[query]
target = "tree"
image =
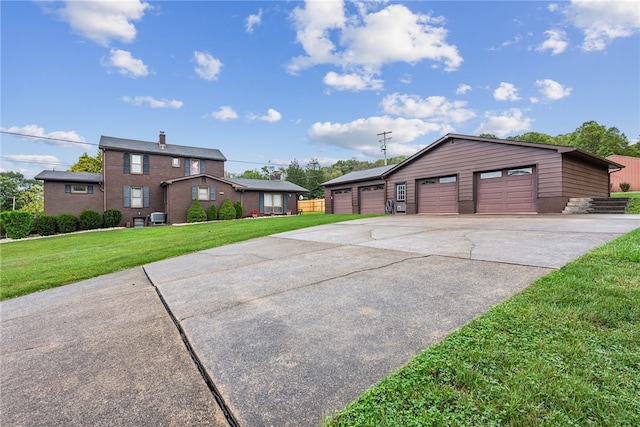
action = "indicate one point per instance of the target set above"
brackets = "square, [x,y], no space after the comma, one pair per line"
[535,137]
[296,174]
[32,199]
[252,174]
[597,139]
[88,164]
[13,187]
[315,177]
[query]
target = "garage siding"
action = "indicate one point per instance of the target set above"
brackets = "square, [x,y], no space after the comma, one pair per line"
[583,180]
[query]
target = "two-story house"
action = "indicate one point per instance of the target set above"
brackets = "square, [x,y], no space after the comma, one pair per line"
[140,178]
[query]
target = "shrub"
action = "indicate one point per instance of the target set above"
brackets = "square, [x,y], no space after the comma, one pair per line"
[45,225]
[196,212]
[67,223]
[213,213]
[227,211]
[17,224]
[624,186]
[238,206]
[89,220]
[111,218]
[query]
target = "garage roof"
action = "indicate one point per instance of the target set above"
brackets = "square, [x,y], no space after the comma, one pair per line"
[373,173]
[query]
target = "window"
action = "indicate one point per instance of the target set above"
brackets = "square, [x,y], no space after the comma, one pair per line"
[520,171]
[175,162]
[429,181]
[136,197]
[273,203]
[203,193]
[79,189]
[136,163]
[194,167]
[488,175]
[401,192]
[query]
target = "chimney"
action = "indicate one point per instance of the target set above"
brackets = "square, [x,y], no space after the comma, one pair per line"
[162,142]
[276,176]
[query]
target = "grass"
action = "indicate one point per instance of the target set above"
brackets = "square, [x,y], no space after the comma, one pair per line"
[566,351]
[33,265]
[634,206]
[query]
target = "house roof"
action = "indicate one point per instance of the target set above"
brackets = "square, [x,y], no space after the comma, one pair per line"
[51,175]
[562,149]
[248,184]
[121,144]
[362,175]
[268,185]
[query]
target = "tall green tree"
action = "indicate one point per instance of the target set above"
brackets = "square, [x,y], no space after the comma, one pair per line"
[535,137]
[88,164]
[315,177]
[597,139]
[295,174]
[13,186]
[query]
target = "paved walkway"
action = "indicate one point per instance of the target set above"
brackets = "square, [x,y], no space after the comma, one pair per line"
[289,328]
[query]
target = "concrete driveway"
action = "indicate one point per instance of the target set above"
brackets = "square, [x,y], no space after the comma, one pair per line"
[288,328]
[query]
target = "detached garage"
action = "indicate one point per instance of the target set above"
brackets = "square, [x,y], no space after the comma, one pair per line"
[468,174]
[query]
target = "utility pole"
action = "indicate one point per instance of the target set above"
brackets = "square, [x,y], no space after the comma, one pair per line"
[383,145]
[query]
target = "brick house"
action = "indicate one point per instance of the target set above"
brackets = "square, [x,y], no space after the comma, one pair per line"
[140,178]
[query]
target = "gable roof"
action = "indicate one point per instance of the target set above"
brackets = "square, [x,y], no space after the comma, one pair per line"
[268,185]
[121,144]
[561,149]
[362,175]
[51,175]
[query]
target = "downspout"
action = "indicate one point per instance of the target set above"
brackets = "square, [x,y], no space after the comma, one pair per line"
[103,187]
[609,178]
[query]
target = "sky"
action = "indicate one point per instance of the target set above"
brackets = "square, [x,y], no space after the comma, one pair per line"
[267,82]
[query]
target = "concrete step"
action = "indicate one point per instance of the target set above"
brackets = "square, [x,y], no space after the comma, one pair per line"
[596,205]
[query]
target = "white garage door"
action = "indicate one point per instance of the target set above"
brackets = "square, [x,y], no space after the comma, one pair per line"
[342,201]
[438,195]
[506,191]
[372,199]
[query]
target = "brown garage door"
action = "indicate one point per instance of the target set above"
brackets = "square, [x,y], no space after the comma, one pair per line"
[372,199]
[438,195]
[506,191]
[342,201]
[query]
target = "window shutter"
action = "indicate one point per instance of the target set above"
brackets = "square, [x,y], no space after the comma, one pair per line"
[67,188]
[145,197]
[285,202]
[212,193]
[194,192]
[89,189]
[203,166]
[187,165]
[127,196]
[145,164]
[126,161]
[261,203]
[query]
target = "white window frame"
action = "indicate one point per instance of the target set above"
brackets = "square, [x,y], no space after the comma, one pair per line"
[137,201]
[491,175]
[79,189]
[520,171]
[401,192]
[273,203]
[136,164]
[203,193]
[175,162]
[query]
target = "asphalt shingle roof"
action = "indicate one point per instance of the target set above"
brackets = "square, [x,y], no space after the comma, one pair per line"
[268,185]
[51,175]
[362,175]
[121,144]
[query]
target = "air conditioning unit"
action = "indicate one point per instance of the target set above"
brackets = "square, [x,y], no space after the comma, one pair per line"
[401,208]
[157,218]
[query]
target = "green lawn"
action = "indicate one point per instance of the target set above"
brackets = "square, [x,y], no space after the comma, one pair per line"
[32,265]
[564,352]
[634,206]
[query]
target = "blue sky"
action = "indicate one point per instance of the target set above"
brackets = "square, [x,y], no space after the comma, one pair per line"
[267,82]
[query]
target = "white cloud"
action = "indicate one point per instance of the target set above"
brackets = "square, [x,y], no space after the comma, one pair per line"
[353,82]
[433,107]
[604,21]
[59,138]
[553,90]
[103,21]
[552,7]
[462,89]
[506,92]
[127,65]
[556,42]
[361,134]
[42,160]
[252,21]
[504,124]
[153,103]
[272,116]
[208,67]
[225,113]
[363,43]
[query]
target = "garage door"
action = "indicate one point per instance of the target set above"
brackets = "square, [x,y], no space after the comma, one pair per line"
[342,201]
[506,191]
[372,199]
[438,195]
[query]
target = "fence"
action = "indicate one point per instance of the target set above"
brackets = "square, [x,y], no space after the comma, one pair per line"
[315,205]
